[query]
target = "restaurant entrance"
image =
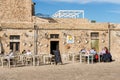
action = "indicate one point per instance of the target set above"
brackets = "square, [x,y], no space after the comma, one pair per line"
[53,46]
[15,46]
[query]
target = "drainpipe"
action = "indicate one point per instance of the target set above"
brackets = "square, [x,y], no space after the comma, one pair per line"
[35,39]
[0,42]
[109,40]
[35,42]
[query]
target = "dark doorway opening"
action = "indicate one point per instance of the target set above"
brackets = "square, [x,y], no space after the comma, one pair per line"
[15,46]
[53,46]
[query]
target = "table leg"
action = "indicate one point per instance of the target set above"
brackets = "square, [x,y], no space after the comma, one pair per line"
[73,58]
[92,58]
[8,62]
[80,58]
[2,61]
[99,57]
[88,59]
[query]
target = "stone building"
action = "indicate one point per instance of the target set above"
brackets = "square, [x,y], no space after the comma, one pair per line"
[20,29]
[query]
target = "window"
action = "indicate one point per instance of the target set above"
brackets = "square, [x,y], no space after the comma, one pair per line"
[94,35]
[14,42]
[14,37]
[54,35]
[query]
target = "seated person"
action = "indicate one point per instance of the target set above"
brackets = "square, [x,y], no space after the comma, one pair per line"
[101,54]
[107,56]
[24,52]
[95,55]
[93,51]
[28,52]
[83,50]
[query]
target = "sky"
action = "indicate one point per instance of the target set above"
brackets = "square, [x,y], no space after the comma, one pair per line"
[99,10]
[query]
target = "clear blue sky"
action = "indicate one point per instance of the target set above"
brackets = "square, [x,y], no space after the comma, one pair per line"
[99,10]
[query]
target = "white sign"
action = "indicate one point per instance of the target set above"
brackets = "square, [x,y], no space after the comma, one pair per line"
[70,39]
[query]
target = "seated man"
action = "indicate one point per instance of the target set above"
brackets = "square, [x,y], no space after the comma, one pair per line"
[93,51]
[95,55]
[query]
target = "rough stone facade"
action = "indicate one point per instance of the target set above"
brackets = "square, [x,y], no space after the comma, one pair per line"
[38,34]
[115,41]
[15,11]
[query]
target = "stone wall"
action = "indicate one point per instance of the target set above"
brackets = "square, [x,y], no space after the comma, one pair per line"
[115,42]
[26,39]
[16,19]
[15,11]
[79,31]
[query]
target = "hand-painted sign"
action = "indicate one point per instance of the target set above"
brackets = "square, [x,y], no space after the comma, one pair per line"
[70,39]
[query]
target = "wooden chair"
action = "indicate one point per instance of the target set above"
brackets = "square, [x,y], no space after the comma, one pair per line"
[52,60]
[20,60]
[4,61]
[28,60]
[82,57]
[9,61]
[65,57]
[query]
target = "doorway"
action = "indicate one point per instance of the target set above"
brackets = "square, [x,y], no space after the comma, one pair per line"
[95,44]
[53,46]
[95,40]
[15,46]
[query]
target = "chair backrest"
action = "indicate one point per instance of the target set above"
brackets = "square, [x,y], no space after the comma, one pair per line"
[82,52]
